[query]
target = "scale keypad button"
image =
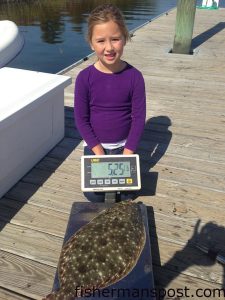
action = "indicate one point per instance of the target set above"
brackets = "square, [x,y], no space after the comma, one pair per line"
[92,182]
[122,181]
[114,181]
[129,180]
[100,181]
[107,181]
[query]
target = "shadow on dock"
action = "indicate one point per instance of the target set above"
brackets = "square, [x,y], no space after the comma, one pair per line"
[200,250]
[21,192]
[206,35]
[153,146]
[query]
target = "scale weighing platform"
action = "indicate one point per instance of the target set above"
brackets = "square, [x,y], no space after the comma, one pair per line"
[110,173]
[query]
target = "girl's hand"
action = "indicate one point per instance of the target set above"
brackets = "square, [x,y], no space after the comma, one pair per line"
[127,151]
[98,150]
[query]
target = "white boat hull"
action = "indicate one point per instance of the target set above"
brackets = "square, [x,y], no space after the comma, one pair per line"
[11,41]
[31,120]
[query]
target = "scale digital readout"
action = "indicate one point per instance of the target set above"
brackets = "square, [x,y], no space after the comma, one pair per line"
[110,173]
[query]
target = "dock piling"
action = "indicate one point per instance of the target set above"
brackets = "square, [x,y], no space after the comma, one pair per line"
[184,26]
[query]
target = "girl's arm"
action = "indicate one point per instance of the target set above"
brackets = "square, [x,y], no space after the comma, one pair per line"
[82,113]
[138,114]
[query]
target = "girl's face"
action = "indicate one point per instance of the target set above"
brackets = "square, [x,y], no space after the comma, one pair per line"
[108,43]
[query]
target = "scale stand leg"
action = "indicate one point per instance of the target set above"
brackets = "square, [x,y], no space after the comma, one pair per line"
[110,197]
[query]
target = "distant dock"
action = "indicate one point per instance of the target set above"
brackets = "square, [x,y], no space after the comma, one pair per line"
[183,170]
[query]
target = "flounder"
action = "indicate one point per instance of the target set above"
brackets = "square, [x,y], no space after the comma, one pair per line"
[101,252]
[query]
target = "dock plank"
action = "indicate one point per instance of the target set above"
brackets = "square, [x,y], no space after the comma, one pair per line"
[24,277]
[9,295]
[194,288]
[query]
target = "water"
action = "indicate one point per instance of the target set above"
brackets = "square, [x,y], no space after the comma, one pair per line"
[55,31]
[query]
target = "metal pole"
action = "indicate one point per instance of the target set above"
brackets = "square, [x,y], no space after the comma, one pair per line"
[110,197]
[184,26]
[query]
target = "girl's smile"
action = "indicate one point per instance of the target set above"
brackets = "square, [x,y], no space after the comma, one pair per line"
[108,43]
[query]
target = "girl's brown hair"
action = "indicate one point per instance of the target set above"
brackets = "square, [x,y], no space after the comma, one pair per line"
[105,13]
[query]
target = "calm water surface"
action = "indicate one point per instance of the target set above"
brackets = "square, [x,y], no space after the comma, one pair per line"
[54,31]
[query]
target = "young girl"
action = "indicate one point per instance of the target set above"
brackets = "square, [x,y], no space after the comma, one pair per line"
[110,103]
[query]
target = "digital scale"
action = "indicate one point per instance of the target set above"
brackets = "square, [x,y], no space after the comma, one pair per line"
[107,173]
[110,174]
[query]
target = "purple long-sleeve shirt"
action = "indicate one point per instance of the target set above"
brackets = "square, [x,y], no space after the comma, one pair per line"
[110,107]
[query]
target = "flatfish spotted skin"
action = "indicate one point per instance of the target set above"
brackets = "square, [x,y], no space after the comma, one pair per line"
[102,252]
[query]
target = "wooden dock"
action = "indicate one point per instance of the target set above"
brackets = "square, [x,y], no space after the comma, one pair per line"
[183,170]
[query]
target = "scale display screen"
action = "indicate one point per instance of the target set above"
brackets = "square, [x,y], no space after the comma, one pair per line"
[110,172]
[110,169]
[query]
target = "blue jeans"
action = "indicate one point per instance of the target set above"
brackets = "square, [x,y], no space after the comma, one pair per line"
[100,196]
